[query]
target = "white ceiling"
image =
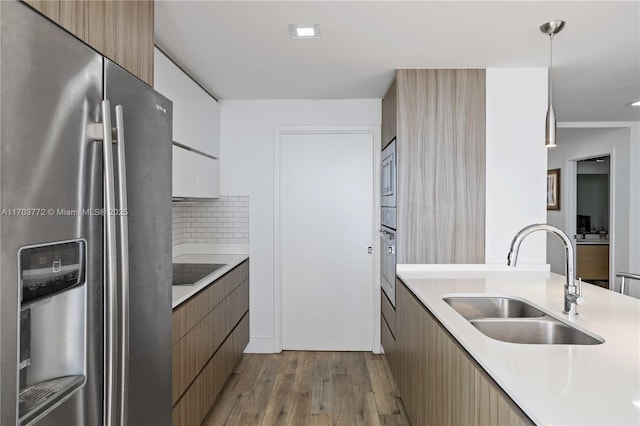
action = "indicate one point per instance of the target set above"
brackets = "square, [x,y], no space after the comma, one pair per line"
[243,50]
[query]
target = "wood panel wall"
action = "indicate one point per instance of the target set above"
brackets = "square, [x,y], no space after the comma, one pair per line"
[441,166]
[438,382]
[120,30]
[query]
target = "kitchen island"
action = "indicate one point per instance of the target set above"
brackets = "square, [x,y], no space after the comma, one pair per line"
[552,384]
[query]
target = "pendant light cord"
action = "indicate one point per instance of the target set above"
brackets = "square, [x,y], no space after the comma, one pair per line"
[551,69]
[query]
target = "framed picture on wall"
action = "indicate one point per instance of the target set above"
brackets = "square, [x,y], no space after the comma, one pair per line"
[553,189]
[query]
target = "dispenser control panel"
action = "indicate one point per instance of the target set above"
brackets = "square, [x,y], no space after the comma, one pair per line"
[51,268]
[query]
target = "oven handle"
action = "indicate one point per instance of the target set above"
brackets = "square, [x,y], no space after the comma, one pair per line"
[391,235]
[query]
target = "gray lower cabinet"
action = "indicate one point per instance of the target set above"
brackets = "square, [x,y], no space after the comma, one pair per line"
[440,384]
[210,332]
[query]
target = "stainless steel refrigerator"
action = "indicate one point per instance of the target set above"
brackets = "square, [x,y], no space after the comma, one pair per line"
[85,200]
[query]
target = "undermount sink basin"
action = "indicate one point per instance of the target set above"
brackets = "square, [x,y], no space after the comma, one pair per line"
[534,331]
[517,321]
[492,307]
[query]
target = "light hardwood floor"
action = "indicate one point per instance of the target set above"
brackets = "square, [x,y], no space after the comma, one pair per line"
[309,388]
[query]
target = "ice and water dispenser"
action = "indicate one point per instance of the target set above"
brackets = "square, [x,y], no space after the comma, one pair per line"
[52,334]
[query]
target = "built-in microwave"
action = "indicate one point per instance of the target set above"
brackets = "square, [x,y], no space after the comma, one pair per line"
[388,188]
[388,175]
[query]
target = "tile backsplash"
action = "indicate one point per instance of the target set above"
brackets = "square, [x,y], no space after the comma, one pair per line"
[221,221]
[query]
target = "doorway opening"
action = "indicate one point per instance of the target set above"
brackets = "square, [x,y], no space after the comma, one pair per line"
[593,220]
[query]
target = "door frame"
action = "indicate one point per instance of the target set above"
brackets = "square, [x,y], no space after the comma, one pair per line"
[634,174]
[279,132]
[571,212]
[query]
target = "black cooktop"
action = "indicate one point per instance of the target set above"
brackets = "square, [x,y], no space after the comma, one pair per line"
[190,273]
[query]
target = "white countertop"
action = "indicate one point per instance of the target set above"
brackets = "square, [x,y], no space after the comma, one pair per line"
[592,242]
[552,384]
[180,293]
[592,239]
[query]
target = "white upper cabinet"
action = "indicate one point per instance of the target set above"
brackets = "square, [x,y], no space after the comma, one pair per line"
[185,173]
[196,115]
[196,126]
[195,175]
[208,171]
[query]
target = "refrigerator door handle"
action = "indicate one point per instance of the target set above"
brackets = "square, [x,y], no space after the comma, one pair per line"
[124,263]
[111,317]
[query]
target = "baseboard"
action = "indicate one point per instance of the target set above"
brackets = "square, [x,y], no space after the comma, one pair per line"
[260,345]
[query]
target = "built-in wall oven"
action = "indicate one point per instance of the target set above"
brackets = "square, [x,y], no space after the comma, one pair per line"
[388,262]
[388,189]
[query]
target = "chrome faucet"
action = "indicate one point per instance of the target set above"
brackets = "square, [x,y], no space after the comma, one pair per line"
[572,294]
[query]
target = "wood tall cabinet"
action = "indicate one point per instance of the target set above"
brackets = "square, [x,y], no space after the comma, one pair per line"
[389,115]
[439,120]
[440,384]
[210,332]
[120,30]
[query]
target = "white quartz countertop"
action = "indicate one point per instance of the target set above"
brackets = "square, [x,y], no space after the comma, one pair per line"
[180,293]
[592,242]
[552,384]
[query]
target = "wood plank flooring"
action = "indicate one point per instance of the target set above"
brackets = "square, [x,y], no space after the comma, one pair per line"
[309,388]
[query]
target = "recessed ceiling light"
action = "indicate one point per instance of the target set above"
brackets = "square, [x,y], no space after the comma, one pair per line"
[305,31]
[636,103]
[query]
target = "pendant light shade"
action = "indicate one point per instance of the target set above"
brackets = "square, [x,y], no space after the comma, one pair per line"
[551,28]
[550,127]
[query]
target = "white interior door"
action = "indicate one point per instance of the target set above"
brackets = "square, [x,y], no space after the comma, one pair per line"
[326,225]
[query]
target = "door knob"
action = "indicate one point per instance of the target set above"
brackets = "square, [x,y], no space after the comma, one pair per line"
[369,249]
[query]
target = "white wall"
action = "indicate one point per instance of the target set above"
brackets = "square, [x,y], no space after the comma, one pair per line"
[516,171]
[634,201]
[580,143]
[516,161]
[247,147]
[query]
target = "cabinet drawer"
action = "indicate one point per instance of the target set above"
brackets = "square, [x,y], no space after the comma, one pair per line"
[388,312]
[592,261]
[388,344]
[187,315]
[196,402]
[191,353]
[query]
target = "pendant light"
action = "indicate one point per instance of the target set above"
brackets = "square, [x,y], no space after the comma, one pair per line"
[551,28]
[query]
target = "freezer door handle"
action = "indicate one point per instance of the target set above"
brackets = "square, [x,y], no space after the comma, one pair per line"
[111,290]
[124,263]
